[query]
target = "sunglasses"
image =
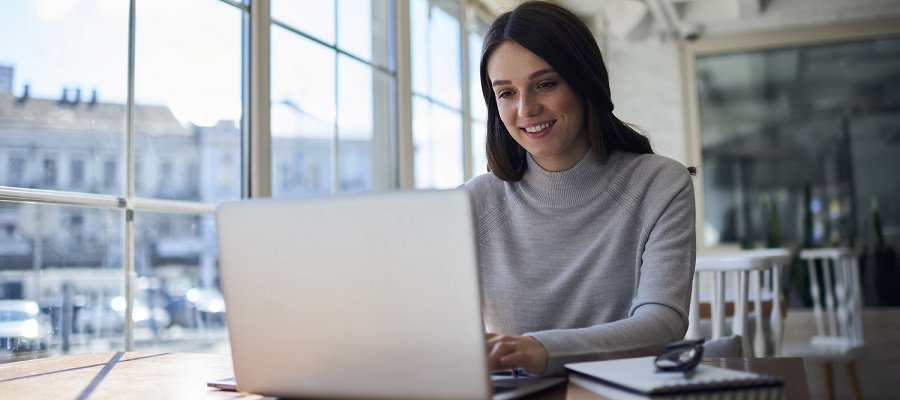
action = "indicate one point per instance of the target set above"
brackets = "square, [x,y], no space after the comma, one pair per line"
[683,356]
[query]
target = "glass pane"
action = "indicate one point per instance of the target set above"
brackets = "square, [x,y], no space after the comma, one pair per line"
[479,154]
[437,138]
[188,94]
[355,27]
[62,94]
[355,122]
[447,139]
[423,156]
[61,280]
[800,145]
[383,38]
[312,17]
[476,98]
[445,53]
[435,33]
[419,30]
[302,115]
[178,303]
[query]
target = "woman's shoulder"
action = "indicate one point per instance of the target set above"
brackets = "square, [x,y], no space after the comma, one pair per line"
[487,192]
[655,166]
[484,184]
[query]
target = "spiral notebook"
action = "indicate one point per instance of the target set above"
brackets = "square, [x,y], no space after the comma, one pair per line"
[637,378]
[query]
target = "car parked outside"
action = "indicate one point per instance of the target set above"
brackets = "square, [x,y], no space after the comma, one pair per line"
[109,318]
[24,331]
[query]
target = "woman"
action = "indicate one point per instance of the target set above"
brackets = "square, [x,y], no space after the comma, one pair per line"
[586,238]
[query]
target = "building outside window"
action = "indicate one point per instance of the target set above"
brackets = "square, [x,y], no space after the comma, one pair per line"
[48,179]
[76,171]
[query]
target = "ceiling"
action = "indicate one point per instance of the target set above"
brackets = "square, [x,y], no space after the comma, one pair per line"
[680,19]
[690,19]
[675,18]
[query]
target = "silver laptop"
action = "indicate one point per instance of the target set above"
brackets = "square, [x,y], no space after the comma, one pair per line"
[368,296]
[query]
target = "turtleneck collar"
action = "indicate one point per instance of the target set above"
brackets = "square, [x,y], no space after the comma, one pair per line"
[572,187]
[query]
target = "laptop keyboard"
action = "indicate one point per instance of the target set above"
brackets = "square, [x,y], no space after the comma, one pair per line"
[502,389]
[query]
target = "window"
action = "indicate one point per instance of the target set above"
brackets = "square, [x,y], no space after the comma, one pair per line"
[437,93]
[129,183]
[476,99]
[331,97]
[110,174]
[448,131]
[65,129]
[49,177]
[799,140]
[76,171]
[16,171]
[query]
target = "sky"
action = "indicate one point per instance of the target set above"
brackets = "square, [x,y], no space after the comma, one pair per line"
[188,55]
[191,65]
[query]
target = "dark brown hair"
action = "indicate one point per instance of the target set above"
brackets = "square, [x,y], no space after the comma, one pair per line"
[563,41]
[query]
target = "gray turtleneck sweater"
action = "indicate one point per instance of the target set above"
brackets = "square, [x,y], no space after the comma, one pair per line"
[594,262]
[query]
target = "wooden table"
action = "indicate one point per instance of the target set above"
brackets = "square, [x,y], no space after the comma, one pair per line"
[122,375]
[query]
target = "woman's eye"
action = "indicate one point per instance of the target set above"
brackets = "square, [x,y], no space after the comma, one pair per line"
[546,84]
[504,94]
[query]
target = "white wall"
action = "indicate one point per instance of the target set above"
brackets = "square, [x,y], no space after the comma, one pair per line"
[645,82]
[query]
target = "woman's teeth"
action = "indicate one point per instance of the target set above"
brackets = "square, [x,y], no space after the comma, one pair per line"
[538,128]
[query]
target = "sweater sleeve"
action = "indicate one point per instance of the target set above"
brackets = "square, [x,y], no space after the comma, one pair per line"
[658,313]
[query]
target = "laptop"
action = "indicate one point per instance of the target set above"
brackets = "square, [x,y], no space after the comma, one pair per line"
[358,296]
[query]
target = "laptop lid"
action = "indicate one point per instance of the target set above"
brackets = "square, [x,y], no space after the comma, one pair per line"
[372,295]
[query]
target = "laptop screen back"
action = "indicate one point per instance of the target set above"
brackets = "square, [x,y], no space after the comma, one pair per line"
[371,295]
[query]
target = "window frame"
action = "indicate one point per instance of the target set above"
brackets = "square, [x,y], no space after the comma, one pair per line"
[255,141]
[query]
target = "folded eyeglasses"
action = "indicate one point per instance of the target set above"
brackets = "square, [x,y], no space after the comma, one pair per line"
[682,356]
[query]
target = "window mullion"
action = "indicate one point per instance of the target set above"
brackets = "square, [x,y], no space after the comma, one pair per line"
[405,149]
[465,19]
[258,151]
[128,244]
[335,138]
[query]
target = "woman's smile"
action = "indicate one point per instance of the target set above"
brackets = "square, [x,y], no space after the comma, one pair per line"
[538,108]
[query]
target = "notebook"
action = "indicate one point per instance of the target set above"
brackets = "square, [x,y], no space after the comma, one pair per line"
[356,296]
[637,378]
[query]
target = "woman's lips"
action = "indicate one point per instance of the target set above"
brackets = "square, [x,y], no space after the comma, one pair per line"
[539,130]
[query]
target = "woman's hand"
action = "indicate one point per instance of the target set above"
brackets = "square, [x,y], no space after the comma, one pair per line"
[511,352]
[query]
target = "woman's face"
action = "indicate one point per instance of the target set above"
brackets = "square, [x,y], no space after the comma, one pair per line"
[538,107]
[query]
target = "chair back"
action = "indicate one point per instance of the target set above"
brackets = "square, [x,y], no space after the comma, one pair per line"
[755,276]
[836,295]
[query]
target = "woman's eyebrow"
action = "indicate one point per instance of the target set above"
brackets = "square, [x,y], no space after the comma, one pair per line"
[540,72]
[533,75]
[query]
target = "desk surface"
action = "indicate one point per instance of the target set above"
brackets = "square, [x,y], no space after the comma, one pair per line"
[184,375]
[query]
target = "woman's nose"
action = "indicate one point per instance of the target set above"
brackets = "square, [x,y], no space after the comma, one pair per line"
[528,106]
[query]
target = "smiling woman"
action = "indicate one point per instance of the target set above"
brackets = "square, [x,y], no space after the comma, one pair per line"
[585,237]
[538,107]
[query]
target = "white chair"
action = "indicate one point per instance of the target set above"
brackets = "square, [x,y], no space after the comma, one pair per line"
[756,275]
[837,309]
